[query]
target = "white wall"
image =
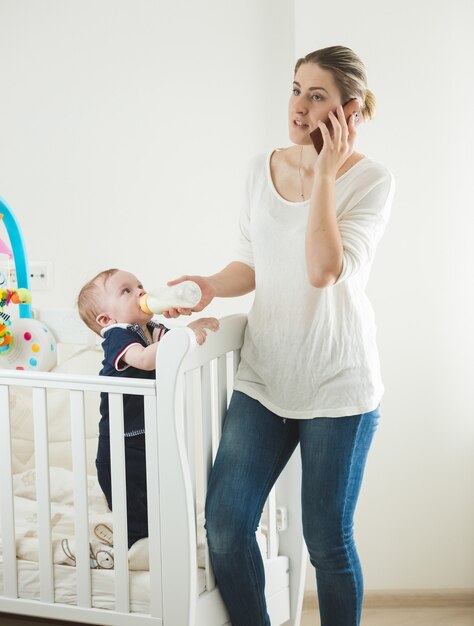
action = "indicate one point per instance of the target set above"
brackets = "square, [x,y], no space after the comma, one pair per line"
[118,115]
[126,127]
[416,515]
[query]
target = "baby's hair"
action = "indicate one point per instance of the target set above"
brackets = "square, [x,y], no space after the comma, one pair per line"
[89,299]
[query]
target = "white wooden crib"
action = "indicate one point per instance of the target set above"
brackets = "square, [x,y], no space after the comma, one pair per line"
[169,582]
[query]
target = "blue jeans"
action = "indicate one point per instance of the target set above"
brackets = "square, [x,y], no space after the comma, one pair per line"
[256,444]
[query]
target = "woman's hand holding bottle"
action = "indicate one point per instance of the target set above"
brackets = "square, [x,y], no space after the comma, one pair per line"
[208,293]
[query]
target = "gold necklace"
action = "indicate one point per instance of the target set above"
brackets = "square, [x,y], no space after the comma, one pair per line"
[299,173]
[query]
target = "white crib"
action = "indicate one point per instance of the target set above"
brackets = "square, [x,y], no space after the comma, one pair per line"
[184,412]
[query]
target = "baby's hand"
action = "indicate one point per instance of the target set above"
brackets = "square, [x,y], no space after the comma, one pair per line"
[201,326]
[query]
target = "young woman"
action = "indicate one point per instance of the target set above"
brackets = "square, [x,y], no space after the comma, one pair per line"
[309,372]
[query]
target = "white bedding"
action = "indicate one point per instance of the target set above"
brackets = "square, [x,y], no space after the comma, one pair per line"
[62,518]
[103,591]
[62,528]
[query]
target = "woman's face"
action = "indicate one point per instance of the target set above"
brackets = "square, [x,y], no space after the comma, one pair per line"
[314,94]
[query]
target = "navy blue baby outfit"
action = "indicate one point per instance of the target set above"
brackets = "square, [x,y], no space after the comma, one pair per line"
[117,339]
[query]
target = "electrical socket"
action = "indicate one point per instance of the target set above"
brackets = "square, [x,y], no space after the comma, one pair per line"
[12,284]
[41,276]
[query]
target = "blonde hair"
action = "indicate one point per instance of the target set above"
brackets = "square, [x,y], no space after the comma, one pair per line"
[349,74]
[89,299]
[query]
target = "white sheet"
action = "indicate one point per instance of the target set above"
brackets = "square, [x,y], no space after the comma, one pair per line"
[62,528]
[102,586]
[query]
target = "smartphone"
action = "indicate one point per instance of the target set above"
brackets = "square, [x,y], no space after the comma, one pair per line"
[349,109]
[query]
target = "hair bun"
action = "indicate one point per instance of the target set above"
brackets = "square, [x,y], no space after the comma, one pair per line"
[370,105]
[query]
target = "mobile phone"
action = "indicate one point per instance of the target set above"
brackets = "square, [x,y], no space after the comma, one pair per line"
[349,109]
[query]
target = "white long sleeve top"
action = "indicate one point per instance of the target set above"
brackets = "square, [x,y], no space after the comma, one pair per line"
[311,352]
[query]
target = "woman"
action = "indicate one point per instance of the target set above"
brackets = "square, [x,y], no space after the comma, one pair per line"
[309,372]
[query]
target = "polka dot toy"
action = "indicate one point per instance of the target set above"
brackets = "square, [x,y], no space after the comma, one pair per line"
[33,346]
[25,343]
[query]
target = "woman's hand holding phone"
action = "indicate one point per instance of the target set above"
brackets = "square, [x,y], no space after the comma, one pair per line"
[334,139]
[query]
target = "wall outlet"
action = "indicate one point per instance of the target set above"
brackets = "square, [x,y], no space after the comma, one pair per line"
[11,278]
[41,276]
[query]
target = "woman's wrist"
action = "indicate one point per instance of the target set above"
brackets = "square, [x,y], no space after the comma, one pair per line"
[323,178]
[213,282]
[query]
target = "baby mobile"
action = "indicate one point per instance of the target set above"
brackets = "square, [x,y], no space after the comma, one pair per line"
[25,343]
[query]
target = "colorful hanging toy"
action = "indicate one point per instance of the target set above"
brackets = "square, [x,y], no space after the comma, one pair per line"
[25,343]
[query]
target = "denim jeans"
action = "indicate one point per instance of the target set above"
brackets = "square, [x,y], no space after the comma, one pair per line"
[256,444]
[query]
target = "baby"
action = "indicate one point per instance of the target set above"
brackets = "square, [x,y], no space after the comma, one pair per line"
[109,305]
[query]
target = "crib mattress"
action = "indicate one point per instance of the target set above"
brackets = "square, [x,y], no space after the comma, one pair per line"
[62,529]
[102,585]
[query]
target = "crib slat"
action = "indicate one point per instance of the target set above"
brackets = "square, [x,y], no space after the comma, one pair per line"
[206,407]
[153,495]
[7,511]
[189,426]
[236,360]
[119,502]
[221,400]
[81,517]
[272,535]
[207,453]
[45,548]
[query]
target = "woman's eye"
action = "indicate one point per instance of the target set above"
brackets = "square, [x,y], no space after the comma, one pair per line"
[296,92]
[316,97]
[126,290]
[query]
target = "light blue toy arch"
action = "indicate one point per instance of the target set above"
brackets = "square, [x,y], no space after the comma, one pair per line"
[19,253]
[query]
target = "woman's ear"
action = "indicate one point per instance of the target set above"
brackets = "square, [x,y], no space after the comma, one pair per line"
[103,319]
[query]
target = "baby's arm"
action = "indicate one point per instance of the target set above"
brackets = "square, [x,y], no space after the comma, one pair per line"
[141,357]
[200,326]
[144,358]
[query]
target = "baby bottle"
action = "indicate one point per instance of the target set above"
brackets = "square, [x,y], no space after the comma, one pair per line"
[184,295]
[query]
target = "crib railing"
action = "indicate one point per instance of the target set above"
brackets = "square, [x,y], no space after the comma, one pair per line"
[77,386]
[194,385]
[201,381]
[184,414]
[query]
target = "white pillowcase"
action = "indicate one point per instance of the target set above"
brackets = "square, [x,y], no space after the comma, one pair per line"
[85,362]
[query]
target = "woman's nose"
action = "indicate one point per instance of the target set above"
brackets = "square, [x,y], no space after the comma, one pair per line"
[299,105]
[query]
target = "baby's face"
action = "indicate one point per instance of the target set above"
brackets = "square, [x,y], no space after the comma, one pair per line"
[121,300]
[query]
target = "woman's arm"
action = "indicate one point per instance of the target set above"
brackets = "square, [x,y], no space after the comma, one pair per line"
[323,246]
[323,239]
[236,279]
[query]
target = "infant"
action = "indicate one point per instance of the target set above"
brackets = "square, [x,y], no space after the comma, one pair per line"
[109,305]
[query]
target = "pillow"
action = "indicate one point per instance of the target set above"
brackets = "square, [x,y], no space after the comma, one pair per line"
[86,362]
[61,487]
